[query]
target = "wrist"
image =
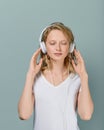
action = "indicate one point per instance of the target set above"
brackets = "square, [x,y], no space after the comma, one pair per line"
[84,76]
[31,74]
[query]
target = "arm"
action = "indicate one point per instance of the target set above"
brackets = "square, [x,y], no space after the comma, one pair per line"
[26,102]
[85,103]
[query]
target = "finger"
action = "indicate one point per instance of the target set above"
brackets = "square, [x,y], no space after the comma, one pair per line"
[40,62]
[78,55]
[76,52]
[35,55]
[73,64]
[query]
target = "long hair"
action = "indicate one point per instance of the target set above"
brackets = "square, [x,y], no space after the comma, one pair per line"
[69,35]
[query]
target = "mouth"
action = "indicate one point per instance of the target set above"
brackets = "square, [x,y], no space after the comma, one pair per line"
[58,54]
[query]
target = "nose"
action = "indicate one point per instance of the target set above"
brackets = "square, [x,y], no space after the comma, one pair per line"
[58,47]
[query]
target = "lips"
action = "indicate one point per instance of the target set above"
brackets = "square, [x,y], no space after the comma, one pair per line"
[58,54]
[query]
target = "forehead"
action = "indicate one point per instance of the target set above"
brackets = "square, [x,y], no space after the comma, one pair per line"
[56,34]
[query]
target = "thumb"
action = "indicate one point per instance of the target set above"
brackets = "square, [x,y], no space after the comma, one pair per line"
[73,64]
[40,62]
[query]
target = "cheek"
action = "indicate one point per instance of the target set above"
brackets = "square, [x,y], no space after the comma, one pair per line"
[66,49]
[49,49]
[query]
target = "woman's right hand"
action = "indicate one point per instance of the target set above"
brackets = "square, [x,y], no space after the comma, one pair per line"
[34,68]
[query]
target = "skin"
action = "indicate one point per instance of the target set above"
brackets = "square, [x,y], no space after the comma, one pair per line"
[57,48]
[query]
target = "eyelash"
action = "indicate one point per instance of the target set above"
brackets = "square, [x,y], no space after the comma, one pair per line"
[62,43]
[52,43]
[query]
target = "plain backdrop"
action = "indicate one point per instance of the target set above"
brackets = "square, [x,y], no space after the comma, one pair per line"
[21,22]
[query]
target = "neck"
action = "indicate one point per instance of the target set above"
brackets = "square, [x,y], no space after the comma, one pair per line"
[58,73]
[57,67]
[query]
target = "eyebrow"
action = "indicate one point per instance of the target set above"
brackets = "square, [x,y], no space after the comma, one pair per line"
[55,40]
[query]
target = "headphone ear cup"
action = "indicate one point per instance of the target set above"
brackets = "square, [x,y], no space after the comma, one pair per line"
[72,46]
[43,47]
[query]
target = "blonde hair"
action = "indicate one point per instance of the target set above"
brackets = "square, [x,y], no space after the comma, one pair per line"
[69,35]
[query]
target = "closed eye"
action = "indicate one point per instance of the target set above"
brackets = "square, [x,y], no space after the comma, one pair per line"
[64,43]
[52,43]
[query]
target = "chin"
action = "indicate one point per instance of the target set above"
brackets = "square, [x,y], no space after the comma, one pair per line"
[57,59]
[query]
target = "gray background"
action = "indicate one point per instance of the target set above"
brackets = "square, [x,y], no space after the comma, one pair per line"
[21,22]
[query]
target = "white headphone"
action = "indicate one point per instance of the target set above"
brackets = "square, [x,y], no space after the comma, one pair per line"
[43,47]
[42,44]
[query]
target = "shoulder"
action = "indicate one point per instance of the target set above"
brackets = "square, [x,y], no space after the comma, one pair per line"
[76,82]
[37,81]
[74,76]
[37,78]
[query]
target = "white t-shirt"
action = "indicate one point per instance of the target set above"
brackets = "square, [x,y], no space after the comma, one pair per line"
[55,106]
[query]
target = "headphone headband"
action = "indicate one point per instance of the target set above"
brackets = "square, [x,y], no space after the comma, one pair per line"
[42,44]
[40,37]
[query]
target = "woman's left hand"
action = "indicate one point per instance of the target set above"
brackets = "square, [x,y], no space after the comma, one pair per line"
[80,67]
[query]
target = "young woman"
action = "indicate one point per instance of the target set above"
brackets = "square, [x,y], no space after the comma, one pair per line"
[57,87]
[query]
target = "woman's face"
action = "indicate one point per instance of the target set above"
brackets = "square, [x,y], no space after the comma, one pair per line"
[57,45]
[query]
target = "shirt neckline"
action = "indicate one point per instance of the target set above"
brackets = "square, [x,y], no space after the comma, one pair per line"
[60,84]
